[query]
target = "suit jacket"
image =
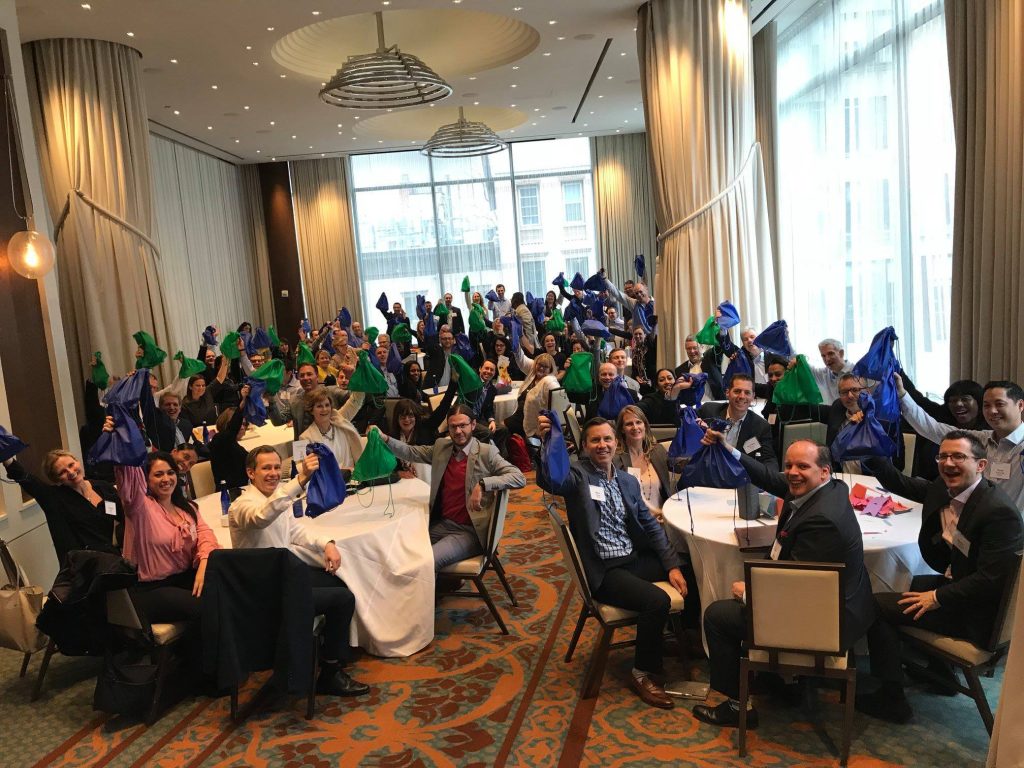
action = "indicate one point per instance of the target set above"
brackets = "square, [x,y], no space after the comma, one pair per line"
[584,518]
[711,364]
[992,527]
[825,529]
[658,459]
[753,426]
[455,321]
[485,464]
[433,364]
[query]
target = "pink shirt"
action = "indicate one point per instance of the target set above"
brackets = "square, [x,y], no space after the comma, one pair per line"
[156,544]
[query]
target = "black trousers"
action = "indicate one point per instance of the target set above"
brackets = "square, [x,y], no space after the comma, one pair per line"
[333,599]
[725,627]
[167,600]
[627,584]
[884,638]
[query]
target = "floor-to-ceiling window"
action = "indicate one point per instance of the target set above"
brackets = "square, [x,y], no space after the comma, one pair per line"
[866,165]
[517,217]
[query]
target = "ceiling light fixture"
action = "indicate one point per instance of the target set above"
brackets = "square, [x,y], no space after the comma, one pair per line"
[177,112]
[246,106]
[86,6]
[174,61]
[463,138]
[270,29]
[385,78]
[131,34]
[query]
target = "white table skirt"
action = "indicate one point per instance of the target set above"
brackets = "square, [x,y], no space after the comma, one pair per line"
[276,437]
[891,553]
[386,560]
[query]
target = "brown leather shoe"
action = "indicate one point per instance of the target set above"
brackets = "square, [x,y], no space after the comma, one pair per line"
[651,692]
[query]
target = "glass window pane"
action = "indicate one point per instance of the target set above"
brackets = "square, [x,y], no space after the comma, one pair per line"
[389,169]
[471,168]
[551,156]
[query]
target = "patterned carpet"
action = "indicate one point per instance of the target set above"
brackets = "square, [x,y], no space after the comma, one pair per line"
[473,698]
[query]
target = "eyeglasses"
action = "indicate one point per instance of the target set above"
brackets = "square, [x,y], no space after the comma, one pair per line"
[854,391]
[454,427]
[956,458]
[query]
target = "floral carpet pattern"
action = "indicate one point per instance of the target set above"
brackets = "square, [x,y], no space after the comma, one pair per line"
[474,697]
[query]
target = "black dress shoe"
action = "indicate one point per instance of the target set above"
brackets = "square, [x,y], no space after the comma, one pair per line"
[725,715]
[334,681]
[937,673]
[884,705]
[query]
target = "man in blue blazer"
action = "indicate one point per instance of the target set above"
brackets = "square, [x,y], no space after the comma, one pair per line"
[623,548]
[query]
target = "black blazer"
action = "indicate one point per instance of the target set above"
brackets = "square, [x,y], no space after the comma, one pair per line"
[825,529]
[754,427]
[433,364]
[658,410]
[455,321]
[992,527]
[712,367]
[658,459]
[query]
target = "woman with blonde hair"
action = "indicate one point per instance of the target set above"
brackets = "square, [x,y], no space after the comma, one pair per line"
[334,428]
[643,457]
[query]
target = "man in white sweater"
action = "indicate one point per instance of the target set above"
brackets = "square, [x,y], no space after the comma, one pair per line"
[262,517]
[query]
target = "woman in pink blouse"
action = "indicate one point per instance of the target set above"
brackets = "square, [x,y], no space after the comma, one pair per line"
[164,536]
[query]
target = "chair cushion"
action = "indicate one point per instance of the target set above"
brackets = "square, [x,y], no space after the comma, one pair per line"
[962,649]
[799,659]
[611,613]
[165,634]
[471,566]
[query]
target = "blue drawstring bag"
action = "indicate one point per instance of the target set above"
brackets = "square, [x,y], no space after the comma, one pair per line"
[10,446]
[125,445]
[255,409]
[246,342]
[775,339]
[327,342]
[730,316]
[688,436]
[880,357]
[537,310]
[421,306]
[560,280]
[864,439]
[595,304]
[739,364]
[394,359]
[382,303]
[577,283]
[614,399]
[887,401]
[429,324]
[515,331]
[693,396]
[345,318]
[596,328]
[306,327]
[643,313]
[640,265]
[210,336]
[554,456]
[713,466]
[596,282]
[260,340]
[326,489]
[492,296]
[463,346]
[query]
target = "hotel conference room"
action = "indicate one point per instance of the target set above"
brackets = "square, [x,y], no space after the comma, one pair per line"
[473,383]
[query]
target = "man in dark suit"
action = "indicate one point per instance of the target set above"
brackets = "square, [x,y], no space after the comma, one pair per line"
[622,547]
[817,524]
[454,316]
[749,433]
[169,427]
[971,533]
[437,371]
[710,363]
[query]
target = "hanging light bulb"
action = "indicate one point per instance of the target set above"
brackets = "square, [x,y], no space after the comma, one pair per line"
[31,254]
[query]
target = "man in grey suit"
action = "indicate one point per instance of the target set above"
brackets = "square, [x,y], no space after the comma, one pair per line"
[465,473]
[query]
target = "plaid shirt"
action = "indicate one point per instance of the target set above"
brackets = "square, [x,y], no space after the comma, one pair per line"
[611,539]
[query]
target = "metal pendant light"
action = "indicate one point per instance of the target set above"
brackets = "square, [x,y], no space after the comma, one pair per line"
[463,138]
[386,78]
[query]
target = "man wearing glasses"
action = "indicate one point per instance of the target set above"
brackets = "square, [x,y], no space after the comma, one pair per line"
[465,473]
[970,533]
[843,411]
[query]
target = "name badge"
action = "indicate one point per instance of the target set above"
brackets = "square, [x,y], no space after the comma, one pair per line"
[961,543]
[772,418]
[110,508]
[753,444]
[999,470]
[776,550]
[597,493]
[634,472]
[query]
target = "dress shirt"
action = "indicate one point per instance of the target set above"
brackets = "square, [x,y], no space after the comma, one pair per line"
[258,521]
[611,539]
[732,435]
[500,308]
[760,375]
[828,382]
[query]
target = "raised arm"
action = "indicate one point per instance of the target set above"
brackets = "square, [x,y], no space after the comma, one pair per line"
[894,481]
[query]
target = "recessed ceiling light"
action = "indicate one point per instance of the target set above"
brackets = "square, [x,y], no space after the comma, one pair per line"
[600,97]
[340,133]
[339,125]
[617,130]
[294,136]
[390,110]
[543,116]
[322,155]
[611,77]
[273,158]
[515,67]
[547,53]
[585,125]
[622,54]
[258,151]
[316,13]
[270,29]
[473,77]
[625,121]
[237,141]
[273,123]
[246,106]
[283,75]
[177,112]
[532,123]
[591,112]
[476,103]
[552,21]
[213,87]
[512,130]
[174,61]
[310,146]
[536,109]
[380,141]
[518,8]
[357,117]
[512,105]
[385,2]
[131,34]
[86,6]
[560,37]
[209,127]
[513,86]
[456,1]
[636,109]
[248,47]
[354,138]
[255,63]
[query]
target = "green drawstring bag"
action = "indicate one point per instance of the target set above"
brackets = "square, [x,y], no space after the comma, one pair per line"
[401,334]
[371,334]
[557,323]
[305,355]
[465,284]
[579,378]
[100,377]
[275,340]
[476,319]
[442,311]
[375,461]
[189,366]
[229,346]
[708,335]
[469,381]
[272,372]
[366,378]
[797,386]
[152,355]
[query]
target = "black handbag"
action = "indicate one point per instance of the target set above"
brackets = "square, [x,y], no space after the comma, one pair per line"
[126,684]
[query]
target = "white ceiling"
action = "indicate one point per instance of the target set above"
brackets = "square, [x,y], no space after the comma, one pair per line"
[269,110]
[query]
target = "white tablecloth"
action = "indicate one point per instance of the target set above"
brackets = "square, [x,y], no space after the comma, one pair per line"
[891,553]
[504,405]
[276,437]
[386,560]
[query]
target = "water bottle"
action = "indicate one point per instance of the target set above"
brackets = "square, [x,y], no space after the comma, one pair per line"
[297,508]
[225,502]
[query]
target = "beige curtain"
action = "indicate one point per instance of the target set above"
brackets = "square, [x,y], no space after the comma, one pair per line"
[89,116]
[327,250]
[765,128]
[624,204]
[261,251]
[209,258]
[706,168]
[985,47]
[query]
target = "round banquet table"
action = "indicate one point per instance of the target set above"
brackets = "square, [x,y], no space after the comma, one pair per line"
[276,437]
[891,553]
[386,560]
[504,405]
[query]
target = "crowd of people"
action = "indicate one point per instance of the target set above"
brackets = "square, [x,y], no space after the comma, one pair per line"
[599,343]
